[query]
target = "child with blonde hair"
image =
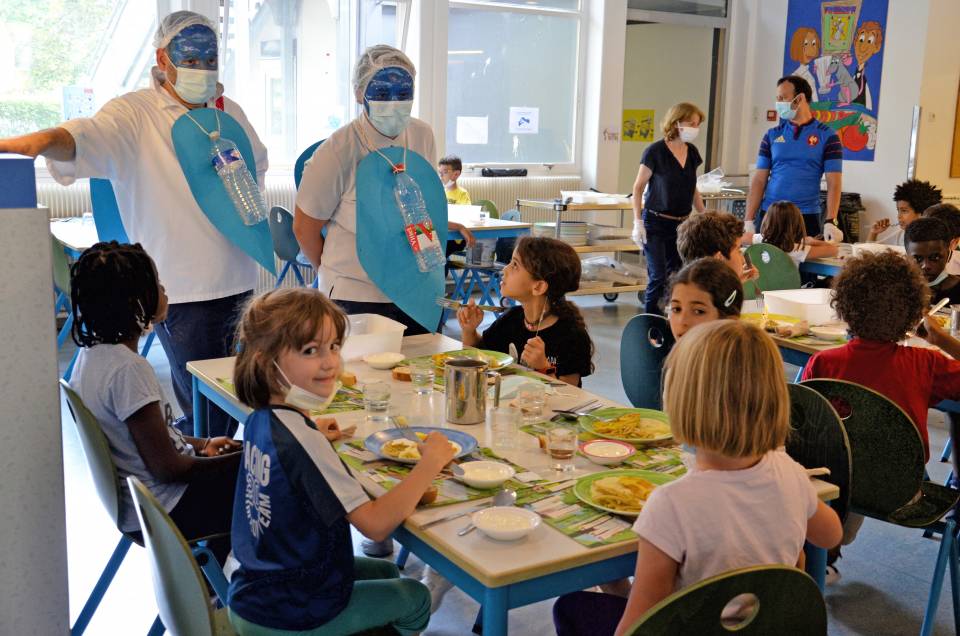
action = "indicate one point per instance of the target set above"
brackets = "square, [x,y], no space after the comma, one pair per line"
[744,503]
[295,500]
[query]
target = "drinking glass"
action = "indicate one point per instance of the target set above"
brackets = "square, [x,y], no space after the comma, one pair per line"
[531,398]
[562,446]
[422,375]
[376,401]
[504,424]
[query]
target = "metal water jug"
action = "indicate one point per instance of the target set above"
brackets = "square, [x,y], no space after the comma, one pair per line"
[465,381]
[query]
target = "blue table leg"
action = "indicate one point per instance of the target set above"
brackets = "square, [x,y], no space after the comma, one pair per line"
[494,612]
[201,425]
[402,557]
[816,564]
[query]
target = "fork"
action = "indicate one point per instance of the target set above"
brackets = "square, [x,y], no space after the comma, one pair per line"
[448,303]
[584,409]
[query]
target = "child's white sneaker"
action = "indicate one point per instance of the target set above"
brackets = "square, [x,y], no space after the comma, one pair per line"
[438,586]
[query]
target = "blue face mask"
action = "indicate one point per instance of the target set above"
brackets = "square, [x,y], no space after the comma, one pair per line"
[388,100]
[785,111]
[194,52]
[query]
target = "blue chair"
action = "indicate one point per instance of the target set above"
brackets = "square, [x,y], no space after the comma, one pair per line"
[644,346]
[285,245]
[302,161]
[107,484]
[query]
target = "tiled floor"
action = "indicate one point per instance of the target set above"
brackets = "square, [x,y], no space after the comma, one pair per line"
[885,573]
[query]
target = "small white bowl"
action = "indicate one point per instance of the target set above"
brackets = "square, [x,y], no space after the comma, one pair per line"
[607,451]
[829,333]
[385,360]
[485,474]
[506,523]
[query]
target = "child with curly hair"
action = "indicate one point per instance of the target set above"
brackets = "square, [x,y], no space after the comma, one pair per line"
[912,198]
[716,235]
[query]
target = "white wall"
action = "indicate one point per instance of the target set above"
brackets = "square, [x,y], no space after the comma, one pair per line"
[755,62]
[938,96]
[653,80]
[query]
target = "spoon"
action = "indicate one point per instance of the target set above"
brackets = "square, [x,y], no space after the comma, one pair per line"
[505,497]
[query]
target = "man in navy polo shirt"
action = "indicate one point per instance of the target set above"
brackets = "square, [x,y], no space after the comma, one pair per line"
[793,156]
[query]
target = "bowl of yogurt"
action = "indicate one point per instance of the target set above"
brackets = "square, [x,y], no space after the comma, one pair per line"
[506,523]
[607,451]
[484,474]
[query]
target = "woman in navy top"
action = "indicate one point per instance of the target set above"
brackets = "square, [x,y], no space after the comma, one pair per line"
[668,172]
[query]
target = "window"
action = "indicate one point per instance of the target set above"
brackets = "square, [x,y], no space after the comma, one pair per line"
[66,59]
[513,81]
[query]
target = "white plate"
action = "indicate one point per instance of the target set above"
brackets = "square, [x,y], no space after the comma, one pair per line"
[384,360]
[829,333]
[484,474]
[506,523]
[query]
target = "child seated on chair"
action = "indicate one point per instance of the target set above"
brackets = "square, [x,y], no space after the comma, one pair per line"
[117,297]
[450,169]
[927,242]
[912,198]
[716,235]
[783,227]
[950,215]
[704,290]
[296,500]
[744,503]
[546,329]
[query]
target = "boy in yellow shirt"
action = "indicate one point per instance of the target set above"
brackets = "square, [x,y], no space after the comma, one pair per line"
[450,169]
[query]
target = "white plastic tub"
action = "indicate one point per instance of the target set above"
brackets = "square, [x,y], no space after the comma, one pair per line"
[371,333]
[812,305]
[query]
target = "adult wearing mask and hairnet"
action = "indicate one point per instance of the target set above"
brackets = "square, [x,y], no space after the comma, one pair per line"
[128,141]
[383,82]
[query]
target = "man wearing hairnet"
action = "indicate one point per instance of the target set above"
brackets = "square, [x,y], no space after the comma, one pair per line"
[129,142]
[383,84]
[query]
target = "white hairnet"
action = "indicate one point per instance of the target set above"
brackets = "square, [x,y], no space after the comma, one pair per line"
[174,23]
[375,58]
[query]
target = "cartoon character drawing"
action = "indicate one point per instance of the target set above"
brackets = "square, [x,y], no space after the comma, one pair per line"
[841,77]
[867,42]
[804,48]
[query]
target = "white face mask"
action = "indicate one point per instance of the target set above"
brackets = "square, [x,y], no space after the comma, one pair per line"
[939,279]
[390,118]
[688,133]
[449,185]
[307,400]
[195,86]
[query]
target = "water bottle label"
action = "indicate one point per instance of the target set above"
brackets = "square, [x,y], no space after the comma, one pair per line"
[226,157]
[421,236]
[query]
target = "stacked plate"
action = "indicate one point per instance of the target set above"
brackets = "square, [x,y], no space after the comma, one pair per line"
[573,233]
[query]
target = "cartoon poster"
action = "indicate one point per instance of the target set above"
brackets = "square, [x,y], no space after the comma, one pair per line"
[837,46]
[638,125]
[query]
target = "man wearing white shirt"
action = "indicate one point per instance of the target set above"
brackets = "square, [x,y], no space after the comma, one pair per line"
[129,142]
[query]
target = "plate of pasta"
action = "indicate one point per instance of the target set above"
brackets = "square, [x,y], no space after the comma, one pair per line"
[636,426]
[391,444]
[622,492]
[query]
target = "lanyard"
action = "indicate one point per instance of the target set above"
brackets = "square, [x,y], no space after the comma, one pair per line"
[213,135]
[397,167]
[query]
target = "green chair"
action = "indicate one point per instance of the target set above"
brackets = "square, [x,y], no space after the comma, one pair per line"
[644,345]
[178,585]
[787,602]
[488,206]
[818,439]
[106,481]
[887,478]
[777,269]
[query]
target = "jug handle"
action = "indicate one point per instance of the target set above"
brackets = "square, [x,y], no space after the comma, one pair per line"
[496,387]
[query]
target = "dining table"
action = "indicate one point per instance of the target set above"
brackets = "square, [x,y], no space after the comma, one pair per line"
[499,575]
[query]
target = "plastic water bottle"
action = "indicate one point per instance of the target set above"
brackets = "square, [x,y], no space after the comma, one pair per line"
[417,225]
[240,185]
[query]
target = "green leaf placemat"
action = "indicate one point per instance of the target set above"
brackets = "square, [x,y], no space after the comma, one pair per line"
[561,509]
[344,401]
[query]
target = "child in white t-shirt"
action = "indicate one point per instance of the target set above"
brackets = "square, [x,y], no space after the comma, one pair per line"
[783,227]
[744,503]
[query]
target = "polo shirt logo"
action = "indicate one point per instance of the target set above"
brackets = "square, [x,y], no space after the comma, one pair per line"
[256,503]
[813,140]
[780,140]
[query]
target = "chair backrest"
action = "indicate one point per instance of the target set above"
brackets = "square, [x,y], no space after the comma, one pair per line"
[787,602]
[97,451]
[510,215]
[489,207]
[302,161]
[885,447]
[285,244]
[777,269]
[644,346]
[61,267]
[817,439]
[177,582]
[106,212]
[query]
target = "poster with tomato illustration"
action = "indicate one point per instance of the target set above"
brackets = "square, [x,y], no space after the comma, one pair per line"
[837,46]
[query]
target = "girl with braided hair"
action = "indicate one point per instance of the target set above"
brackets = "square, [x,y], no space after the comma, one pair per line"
[547,329]
[117,297]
